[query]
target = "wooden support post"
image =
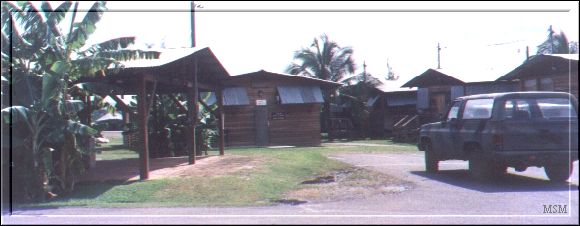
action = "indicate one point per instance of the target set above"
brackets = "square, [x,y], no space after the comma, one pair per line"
[142,114]
[192,110]
[221,125]
[89,110]
[382,99]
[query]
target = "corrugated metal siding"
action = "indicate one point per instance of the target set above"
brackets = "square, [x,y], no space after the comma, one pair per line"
[235,96]
[300,94]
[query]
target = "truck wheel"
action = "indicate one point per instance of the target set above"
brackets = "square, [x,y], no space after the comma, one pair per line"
[431,161]
[559,173]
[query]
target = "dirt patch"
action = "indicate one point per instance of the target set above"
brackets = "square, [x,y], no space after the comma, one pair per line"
[207,166]
[354,183]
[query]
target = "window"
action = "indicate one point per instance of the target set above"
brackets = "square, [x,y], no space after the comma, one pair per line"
[517,109]
[478,109]
[546,84]
[556,107]
[454,110]
[531,85]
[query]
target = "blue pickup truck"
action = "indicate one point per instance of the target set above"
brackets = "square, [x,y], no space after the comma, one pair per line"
[501,130]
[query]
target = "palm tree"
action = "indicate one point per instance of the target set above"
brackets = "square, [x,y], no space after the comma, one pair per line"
[555,44]
[324,59]
[42,61]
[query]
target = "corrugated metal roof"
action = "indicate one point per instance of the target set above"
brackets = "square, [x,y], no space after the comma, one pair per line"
[166,56]
[235,96]
[543,65]
[288,76]
[300,94]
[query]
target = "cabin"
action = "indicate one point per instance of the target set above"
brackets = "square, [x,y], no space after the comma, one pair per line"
[558,72]
[389,106]
[272,109]
[435,91]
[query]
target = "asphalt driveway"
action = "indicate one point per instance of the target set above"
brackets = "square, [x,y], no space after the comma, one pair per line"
[448,197]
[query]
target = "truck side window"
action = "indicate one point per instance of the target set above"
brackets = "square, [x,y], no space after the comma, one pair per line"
[478,109]
[517,109]
[454,110]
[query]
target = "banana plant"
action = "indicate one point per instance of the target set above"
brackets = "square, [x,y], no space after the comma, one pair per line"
[42,63]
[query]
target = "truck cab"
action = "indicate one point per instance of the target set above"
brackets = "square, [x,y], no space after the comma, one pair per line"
[500,130]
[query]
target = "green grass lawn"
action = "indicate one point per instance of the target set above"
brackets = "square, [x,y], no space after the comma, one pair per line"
[283,172]
[115,150]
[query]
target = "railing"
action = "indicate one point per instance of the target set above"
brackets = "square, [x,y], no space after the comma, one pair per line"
[406,129]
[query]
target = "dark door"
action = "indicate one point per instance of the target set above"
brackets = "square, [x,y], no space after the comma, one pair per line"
[261,122]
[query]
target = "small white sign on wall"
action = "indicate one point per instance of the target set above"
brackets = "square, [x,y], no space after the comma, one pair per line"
[261,102]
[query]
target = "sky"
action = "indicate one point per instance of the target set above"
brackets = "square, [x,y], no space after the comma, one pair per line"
[480,41]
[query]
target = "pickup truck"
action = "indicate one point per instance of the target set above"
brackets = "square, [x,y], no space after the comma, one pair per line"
[501,130]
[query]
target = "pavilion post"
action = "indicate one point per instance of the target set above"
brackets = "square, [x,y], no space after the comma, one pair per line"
[219,97]
[192,110]
[89,110]
[142,111]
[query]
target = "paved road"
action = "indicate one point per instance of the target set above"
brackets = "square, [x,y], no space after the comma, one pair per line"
[449,197]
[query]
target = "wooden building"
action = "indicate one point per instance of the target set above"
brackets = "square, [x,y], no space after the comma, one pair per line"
[389,106]
[271,109]
[435,91]
[547,73]
[187,71]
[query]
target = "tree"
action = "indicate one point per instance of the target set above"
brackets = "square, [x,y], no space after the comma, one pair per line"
[555,44]
[390,73]
[43,62]
[357,95]
[324,59]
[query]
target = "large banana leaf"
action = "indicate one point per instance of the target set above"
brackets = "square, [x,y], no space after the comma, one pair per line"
[15,114]
[51,93]
[113,44]
[54,17]
[80,129]
[91,65]
[86,27]
[128,54]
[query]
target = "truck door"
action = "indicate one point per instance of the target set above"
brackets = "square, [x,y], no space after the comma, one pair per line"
[445,138]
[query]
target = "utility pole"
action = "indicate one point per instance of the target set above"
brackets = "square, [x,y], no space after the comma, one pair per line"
[364,71]
[192,24]
[527,53]
[550,38]
[438,56]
